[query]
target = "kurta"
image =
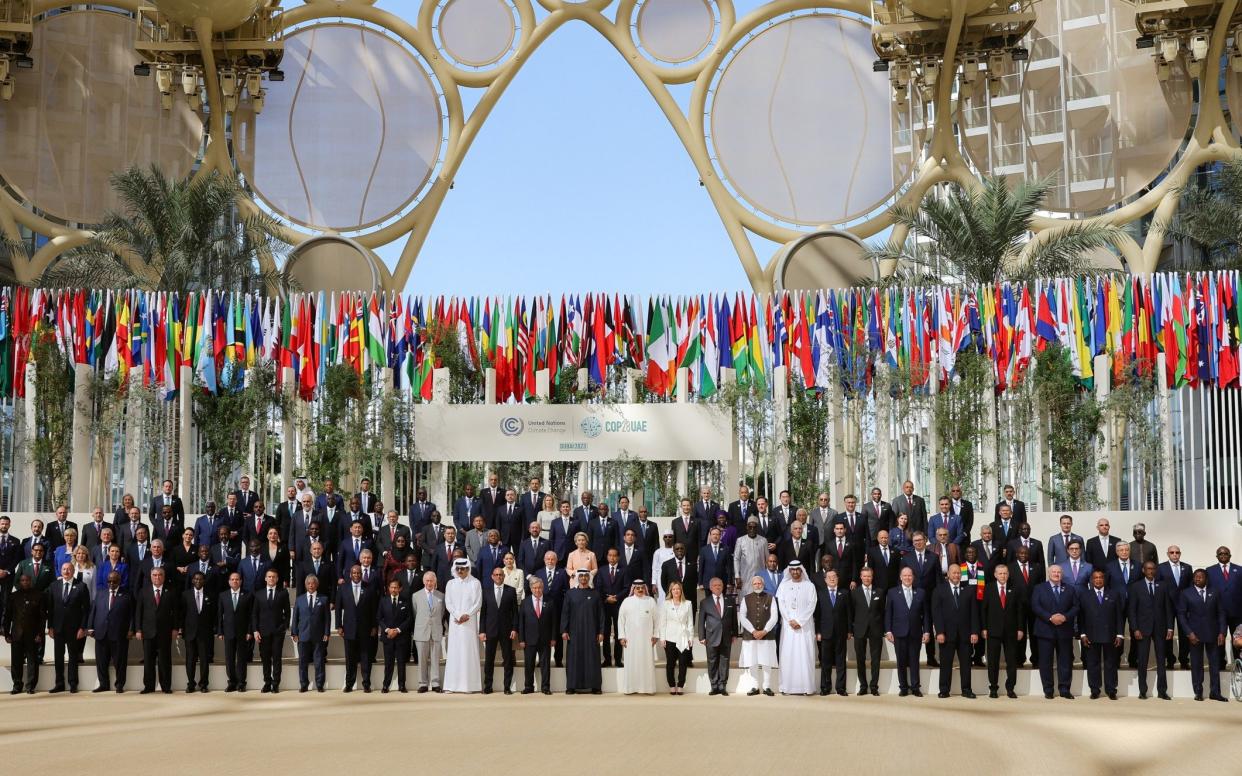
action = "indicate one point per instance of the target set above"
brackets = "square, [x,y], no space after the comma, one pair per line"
[636,624]
[462,672]
[797,602]
[756,652]
[750,555]
[582,617]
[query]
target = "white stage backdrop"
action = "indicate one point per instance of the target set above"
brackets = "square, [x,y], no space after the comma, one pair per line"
[572,432]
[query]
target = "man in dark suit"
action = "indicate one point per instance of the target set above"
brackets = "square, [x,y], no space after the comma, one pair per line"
[867,629]
[490,500]
[25,618]
[245,497]
[531,504]
[964,510]
[110,623]
[38,567]
[315,565]
[1002,618]
[1121,572]
[465,508]
[832,625]
[1056,610]
[613,584]
[444,557]
[705,509]
[1025,576]
[309,630]
[394,619]
[1142,550]
[623,515]
[355,624]
[233,611]
[1177,575]
[166,497]
[420,510]
[498,624]
[1150,614]
[491,556]
[55,530]
[198,620]
[11,554]
[300,522]
[385,537]
[955,616]
[987,551]
[717,628]
[1004,527]
[561,533]
[879,516]
[646,539]
[269,621]
[884,562]
[431,537]
[784,509]
[632,558]
[771,526]
[1101,623]
[603,533]
[845,550]
[68,606]
[350,551]
[510,519]
[537,634]
[532,549]
[1225,579]
[907,627]
[679,569]
[1017,509]
[1058,543]
[715,560]
[155,624]
[93,529]
[911,505]
[555,584]
[1202,618]
[926,568]
[285,512]
[1035,548]
[689,531]
[740,510]
[257,522]
[167,527]
[1101,549]
[796,547]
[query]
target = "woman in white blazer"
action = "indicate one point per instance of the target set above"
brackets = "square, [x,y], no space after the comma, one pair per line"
[675,629]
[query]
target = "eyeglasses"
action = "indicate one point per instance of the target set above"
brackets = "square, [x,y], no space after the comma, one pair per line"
[1175,552]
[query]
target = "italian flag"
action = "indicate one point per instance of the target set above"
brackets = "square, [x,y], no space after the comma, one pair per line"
[660,350]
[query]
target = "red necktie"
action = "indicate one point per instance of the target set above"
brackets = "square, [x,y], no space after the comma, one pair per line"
[538,608]
[1225,570]
[157,597]
[258,523]
[1002,592]
[392,533]
[1025,576]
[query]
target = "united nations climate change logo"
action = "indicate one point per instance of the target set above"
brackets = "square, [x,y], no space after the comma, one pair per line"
[591,427]
[511,426]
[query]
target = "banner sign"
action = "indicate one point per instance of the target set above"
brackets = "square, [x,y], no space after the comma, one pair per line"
[572,432]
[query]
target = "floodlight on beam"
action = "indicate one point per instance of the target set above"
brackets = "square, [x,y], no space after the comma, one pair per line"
[970,70]
[994,85]
[1169,46]
[996,64]
[257,99]
[228,82]
[4,67]
[1198,46]
[164,78]
[254,82]
[931,69]
[189,81]
[1162,70]
[6,89]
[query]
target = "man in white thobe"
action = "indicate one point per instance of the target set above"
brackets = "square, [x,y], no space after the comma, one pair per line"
[796,599]
[756,612]
[463,599]
[636,628]
[657,562]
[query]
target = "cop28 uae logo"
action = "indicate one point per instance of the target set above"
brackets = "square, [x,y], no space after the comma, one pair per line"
[511,426]
[591,427]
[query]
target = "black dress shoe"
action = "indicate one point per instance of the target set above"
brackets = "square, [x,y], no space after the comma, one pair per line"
[1164,696]
[933,663]
[606,664]
[724,693]
[17,690]
[1048,695]
[275,689]
[487,691]
[717,692]
[231,688]
[303,689]
[875,691]
[1185,666]
[1069,696]
[601,692]
[437,689]
[822,691]
[56,689]
[508,691]
[863,691]
[190,689]
[968,694]
[1199,696]
[348,689]
[993,694]
[73,691]
[768,692]
[1112,696]
[752,691]
[403,689]
[917,693]
[571,692]
[422,689]
[146,691]
[942,695]
[120,690]
[546,691]
[1218,697]
[1095,695]
[241,688]
[1010,694]
[101,689]
[30,691]
[318,689]
[266,688]
[1142,696]
[528,691]
[384,690]
[903,693]
[167,691]
[366,689]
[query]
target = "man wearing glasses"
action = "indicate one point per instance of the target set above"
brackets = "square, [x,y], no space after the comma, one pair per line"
[1177,576]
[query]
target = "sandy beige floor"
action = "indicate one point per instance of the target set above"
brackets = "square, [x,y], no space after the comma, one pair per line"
[259,734]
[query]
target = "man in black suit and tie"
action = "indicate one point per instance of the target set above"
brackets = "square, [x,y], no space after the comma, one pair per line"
[679,569]
[771,525]
[465,508]
[1177,575]
[740,510]
[256,522]
[498,625]
[395,618]
[269,622]
[167,527]
[1035,548]
[92,531]
[795,547]
[845,551]
[110,623]
[24,625]
[623,515]
[1150,614]
[285,512]
[420,511]
[246,497]
[1017,509]
[55,530]
[1202,617]
[1101,621]
[155,625]
[689,531]
[510,519]
[532,549]
[955,617]
[632,558]
[233,626]
[1002,618]
[867,629]
[646,539]
[855,525]
[68,606]
[911,505]
[879,516]
[926,568]
[784,509]
[884,562]
[198,620]
[1004,527]
[907,627]
[613,584]
[963,509]
[166,497]
[531,504]
[490,500]
[355,624]
[309,629]
[832,624]
[537,634]
[705,509]
[1025,576]
[1102,548]
[444,557]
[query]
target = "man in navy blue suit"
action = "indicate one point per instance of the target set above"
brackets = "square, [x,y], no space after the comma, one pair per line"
[1225,578]
[555,583]
[532,549]
[1150,613]
[906,628]
[1055,607]
[602,533]
[715,560]
[1101,621]
[955,616]
[613,584]
[530,505]
[309,630]
[926,571]
[395,618]
[465,508]
[420,511]
[1177,575]
[1202,617]
[110,623]
[561,534]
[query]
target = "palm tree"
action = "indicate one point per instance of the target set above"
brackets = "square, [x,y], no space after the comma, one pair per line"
[1210,217]
[175,235]
[981,237]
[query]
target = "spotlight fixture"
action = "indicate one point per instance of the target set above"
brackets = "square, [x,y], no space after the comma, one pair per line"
[142,69]
[189,81]
[164,78]
[879,66]
[6,89]
[1145,42]
[254,82]
[1198,46]
[276,76]
[970,70]
[1019,54]
[24,62]
[256,101]
[1170,46]
[228,82]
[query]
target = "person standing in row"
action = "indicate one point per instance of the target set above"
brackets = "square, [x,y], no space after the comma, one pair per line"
[582,628]
[636,622]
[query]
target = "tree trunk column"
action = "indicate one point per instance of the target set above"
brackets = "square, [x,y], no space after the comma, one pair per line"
[683,467]
[780,408]
[387,475]
[188,453]
[80,467]
[133,439]
[1107,483]
[25,427]
[1168,499]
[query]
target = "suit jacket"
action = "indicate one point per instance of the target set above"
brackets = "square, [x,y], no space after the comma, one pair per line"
[774,530]
[602,537]
[111,625]
[464,510]
[806,553]
[915,507]
[530,509]
[1185,578]
[737,515]
[1024,586]
[489,504]
[249,531]
[497,621]
[1001,536]
[124,534]
[254,576]
[562,537]
[1058,551]
[420,514]
[906,621]
[1150,613]
[246,501]
[715,627]
[489,558]
[311,622]
[712,565]
[1205,618]
[956,621]
[637,566]
[345,557]
[553,588]
[157,505]
[992,555]
[54,533]
[612,584]
[530,557]
[965,511]
[1227,590]
[1035,551]
[1046,602]
[270,617]
[194,624]
[1101,621]
[11,554]
[954,551]
[1098,556]
[847,563]
[298,526]
[38,581]
[206,527]
[927,576]
[284,518]
[858,533]
[957,531]
[444,563]
[89,534]
[67,615]
[234,623]
[471,543]
[867,619]
[1002,622]
[646,536]
[689,535]
[170,533]
[833,621]
[1115,578]
[400,616]
[156,619]
[511,524]
[1017,511]
[705,515]
[877,517]
[428,620]
[541,629]
[668,575]
[886,574]
[1082,579]
[431,535]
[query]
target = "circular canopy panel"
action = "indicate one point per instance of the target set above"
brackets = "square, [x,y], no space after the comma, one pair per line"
[332,263]
[828,259]
[352,135]
[224,14]
[477,33]
[82,115]
[1089,110]
[676,31]
[943,9]
[802,127]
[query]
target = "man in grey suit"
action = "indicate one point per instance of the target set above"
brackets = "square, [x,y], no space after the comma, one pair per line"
[717,628]
[431,535]
[428,631]
[476,537]
[310,630]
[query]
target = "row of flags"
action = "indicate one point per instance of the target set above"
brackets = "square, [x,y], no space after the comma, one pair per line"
[827,337]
